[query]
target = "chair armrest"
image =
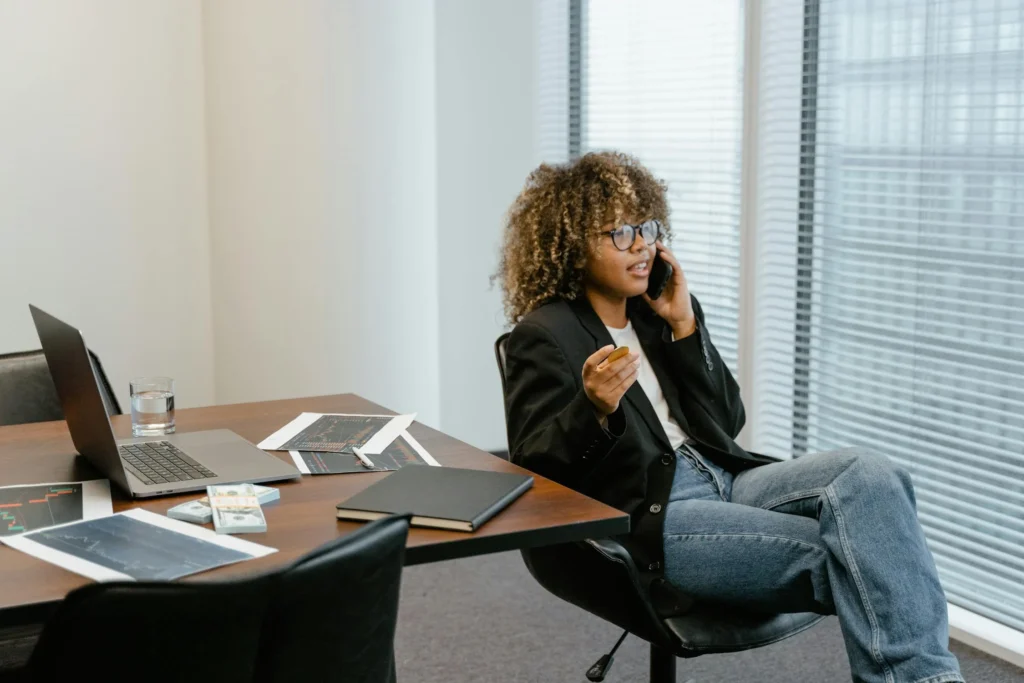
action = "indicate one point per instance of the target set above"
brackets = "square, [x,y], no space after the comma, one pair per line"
[616,552]
[600,577]
[654,596]
[658,595]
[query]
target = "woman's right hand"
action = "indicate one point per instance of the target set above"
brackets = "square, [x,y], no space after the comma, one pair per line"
[605,383]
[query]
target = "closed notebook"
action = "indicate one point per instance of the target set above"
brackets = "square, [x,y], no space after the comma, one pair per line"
[437,497]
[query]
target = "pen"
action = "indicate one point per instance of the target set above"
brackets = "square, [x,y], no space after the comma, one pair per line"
[362,458]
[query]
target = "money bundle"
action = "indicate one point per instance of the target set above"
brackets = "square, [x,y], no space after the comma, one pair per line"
[199,512]
[236,509]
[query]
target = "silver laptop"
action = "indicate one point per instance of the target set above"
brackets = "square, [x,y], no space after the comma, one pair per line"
[148,466]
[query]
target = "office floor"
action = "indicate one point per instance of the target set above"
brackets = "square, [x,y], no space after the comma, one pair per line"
[485,619]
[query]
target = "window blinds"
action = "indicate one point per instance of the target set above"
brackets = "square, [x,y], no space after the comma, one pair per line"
[891,261]
[662,80]
[551,23]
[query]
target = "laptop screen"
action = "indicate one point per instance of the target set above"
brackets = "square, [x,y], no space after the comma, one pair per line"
[79,391]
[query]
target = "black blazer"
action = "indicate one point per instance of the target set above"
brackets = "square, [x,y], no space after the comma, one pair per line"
[553,429]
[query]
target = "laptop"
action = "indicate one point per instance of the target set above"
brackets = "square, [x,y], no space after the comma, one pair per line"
[147,466]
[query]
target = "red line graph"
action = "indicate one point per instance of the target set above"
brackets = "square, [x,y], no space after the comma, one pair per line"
[21,515]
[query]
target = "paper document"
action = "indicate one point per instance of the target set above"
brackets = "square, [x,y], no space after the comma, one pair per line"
[404,450]
[37,506]
[338,433]
[135,545]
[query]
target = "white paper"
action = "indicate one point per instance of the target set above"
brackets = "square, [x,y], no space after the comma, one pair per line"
[300,464]
[284,434]
[96,499]
[387,434]
[202,533]
[377,443]
[97,572]
[303,467]
[95,496]
[427,458]
[90,570]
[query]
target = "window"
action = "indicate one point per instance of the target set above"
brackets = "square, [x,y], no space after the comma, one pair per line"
[663,81]
[902,261]
[886,277]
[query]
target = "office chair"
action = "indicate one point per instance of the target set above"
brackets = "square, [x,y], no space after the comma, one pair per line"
[599,576]
[329,617]
[27,393]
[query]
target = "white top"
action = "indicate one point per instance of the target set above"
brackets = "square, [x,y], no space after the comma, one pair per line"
[649,383]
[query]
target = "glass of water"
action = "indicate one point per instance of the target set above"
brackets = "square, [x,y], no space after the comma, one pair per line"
[152,406]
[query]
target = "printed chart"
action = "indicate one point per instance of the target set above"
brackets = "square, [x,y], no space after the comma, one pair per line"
[37,506]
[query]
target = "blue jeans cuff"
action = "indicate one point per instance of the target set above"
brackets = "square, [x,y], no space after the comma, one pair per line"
[947,677]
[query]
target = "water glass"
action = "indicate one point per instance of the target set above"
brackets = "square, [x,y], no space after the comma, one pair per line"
[152,406]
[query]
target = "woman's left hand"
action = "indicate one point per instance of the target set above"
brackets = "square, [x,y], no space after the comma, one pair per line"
[674,304]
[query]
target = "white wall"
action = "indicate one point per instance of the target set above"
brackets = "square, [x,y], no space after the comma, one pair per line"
[102,184]
[323,202]
[486,146]
[308,196]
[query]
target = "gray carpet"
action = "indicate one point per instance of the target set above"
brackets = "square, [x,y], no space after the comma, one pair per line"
[485,619]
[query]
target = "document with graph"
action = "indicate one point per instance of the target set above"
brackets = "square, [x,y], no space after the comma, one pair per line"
[338,433]
[135,545]
[28,507]
[404,450]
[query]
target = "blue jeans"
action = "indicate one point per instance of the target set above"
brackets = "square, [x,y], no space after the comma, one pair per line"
[831,533]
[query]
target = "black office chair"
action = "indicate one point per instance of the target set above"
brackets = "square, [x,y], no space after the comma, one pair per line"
[600,577]
[329,617]
[27,393]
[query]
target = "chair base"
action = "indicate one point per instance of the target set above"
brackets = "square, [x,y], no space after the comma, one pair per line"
[663,665]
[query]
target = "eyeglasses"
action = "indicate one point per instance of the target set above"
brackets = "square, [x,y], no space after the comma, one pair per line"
[624,236]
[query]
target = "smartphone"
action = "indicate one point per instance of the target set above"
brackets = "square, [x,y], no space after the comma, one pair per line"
[661,271]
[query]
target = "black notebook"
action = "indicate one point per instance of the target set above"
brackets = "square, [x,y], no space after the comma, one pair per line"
[438,497]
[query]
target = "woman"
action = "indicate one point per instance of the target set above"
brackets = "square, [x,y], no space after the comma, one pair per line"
[651,433]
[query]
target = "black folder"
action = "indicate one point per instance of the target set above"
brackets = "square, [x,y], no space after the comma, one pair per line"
[437,497]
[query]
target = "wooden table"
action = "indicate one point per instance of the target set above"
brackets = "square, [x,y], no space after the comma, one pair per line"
[304,518]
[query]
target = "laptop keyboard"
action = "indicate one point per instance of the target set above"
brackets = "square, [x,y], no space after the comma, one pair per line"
[160,462]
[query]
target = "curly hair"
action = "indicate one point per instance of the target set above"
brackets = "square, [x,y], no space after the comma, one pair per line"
[559,213]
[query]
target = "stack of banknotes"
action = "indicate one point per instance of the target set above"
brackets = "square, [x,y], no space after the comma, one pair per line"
[235,508]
